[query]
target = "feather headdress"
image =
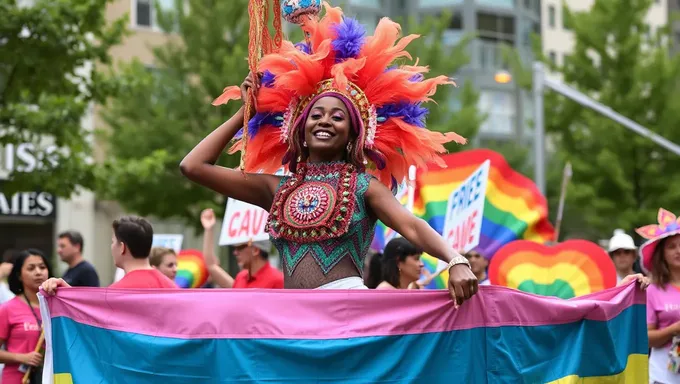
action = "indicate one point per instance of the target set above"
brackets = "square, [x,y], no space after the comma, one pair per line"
[337,58]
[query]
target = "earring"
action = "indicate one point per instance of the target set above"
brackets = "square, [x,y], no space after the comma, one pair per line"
[349,147]
[304,144]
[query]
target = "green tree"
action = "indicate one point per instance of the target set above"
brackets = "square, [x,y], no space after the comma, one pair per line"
[46,87]
[456,108]
[161,114]
[620,179]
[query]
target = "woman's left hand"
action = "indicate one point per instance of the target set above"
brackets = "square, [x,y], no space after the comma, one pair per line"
[644,281]
[463,283]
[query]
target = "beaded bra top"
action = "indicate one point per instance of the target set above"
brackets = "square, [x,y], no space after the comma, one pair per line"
[321,210]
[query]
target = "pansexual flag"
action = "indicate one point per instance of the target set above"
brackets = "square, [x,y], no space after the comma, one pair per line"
[97,335]
[514,208]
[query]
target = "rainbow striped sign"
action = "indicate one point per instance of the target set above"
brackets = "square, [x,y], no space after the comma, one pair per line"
[104,335]
[569,269]
[191,269]
[514,209]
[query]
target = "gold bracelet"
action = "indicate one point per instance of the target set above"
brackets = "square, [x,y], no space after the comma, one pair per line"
[458,260]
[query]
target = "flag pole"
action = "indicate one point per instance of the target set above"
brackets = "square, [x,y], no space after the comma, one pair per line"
[566,177]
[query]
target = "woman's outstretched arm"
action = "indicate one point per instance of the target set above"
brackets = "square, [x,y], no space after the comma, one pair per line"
[462,282]
[199,165]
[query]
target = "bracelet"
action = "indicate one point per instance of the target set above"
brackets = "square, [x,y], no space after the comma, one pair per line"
[458,260]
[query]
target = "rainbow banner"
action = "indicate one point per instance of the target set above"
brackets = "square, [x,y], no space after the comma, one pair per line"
[104,335]
[383,234]
[514,208]
[434,273]
[191,269]
[568,269]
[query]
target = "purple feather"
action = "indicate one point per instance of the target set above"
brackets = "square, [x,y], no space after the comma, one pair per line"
[350,38]
[268,79]
[260,119]
[304,47]
[414,114]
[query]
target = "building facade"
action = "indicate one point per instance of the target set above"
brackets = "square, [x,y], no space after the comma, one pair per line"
[495,23]
[558,40]
[34,218]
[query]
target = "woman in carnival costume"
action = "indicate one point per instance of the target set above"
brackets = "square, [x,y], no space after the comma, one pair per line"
[347,123]
[661,258]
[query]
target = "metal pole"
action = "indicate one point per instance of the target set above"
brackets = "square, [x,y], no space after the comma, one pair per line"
[587,102]
[539,128]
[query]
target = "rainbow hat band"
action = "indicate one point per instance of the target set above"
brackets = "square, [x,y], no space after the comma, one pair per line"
[569,269]
[191,269]
[668,226]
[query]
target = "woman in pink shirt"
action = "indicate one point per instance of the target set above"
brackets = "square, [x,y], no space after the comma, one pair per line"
[661,257]
[20,322]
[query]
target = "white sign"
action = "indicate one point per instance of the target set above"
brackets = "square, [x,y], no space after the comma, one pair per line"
[242,223]
[24,157]
[36,204]
[173,242]
[464,211]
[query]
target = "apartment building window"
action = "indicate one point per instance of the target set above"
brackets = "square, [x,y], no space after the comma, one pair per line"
[497,28]
[566,19]
[500,109]
[454,33]
[553,57]
[145,12]
[551,16]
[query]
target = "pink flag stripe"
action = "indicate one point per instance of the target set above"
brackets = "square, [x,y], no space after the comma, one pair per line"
[283,314]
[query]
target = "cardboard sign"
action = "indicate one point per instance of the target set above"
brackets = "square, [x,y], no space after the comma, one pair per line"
[242,223]
[173,242]
[465,209]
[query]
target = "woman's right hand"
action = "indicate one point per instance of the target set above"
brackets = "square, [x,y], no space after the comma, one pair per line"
[251,82]
[33,359]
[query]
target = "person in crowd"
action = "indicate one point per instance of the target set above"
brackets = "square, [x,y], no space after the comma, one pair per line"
[661,257]
[252,258]
[5,269]
[130,247]
[479,265]
[623,252]
[20,321]
[80,272]
[398,267]
[164,260]
[347,135]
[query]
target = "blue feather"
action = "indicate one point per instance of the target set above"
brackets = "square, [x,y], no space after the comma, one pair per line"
[411,113]
[268,79]
[304,47]
[260,119]
[350,38]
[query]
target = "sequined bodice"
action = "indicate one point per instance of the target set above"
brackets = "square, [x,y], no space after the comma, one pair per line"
[320,213]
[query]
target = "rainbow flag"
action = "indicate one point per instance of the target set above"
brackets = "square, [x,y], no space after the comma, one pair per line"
[383,234]
[514,208]
[105,335]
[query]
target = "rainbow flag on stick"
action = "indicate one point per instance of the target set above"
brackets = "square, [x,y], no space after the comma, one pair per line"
[97,335]
[514,208]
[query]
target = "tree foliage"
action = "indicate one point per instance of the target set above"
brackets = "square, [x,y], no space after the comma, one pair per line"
[620,178]
[456,107]
[46,87]
[161,114]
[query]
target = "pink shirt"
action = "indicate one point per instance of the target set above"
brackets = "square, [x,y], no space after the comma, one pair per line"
[20,331]
[663,309]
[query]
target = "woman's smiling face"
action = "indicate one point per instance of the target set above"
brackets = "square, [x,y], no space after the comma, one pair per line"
[327,129]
